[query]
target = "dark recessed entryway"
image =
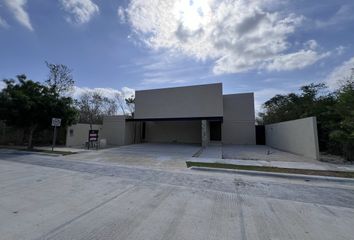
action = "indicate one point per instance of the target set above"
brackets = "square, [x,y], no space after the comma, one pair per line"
[215,131]
[260,135]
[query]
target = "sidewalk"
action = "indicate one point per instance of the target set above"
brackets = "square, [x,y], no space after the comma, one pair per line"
[278,164]
[58,151]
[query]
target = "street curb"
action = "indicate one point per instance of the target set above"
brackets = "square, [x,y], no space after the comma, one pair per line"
[22,152]
[278,175]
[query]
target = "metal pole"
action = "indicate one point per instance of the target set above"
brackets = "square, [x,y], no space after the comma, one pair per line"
[54,137]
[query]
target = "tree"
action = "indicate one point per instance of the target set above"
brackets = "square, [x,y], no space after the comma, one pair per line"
[121,102]
[31,106]
[93,106]
[131,105]
[126,105]
[130,102]
[110,107]
[60,77]
[311,101]
[344,129]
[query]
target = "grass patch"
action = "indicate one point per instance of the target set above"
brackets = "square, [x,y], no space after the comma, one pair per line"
[55,152]
[20,148]
[272,169]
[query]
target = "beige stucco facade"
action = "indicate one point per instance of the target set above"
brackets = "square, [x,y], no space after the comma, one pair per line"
[238,125]
[114,130]
[180,102]
[173,131]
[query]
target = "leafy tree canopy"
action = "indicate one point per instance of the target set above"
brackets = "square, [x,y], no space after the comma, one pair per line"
[31,105]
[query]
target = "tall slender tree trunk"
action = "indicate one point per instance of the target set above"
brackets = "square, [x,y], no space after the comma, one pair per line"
[30,137]
[91,121]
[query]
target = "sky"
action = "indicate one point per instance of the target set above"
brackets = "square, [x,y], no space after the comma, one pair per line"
[263,46]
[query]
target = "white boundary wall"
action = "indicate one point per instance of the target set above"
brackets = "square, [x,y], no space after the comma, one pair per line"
[297,136]
[79,134]
[115,130]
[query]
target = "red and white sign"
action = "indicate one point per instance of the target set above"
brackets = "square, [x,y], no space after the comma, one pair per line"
[93,135]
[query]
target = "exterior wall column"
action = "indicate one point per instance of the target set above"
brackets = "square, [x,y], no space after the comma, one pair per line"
[205,133]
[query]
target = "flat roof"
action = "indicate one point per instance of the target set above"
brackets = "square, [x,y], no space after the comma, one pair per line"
[179,87]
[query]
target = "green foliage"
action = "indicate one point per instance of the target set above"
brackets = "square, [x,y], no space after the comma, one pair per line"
[31,106]
[334,112]
[344,108]
[310,101]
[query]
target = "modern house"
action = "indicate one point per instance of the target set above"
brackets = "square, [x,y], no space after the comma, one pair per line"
[192,114]
[195,114]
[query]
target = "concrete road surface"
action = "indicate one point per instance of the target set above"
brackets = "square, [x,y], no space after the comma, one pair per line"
[53,198]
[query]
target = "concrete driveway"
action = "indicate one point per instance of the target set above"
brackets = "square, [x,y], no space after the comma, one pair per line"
[54,198]
[152,155]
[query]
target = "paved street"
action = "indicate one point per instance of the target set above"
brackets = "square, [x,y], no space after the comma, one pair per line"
[44,197]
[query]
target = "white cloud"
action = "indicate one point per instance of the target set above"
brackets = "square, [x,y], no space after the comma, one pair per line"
[295,60]
[107,92]
[3,23]
[311,44]
[121,14]
[81,10]
[340,50]
[238,35]
[17,7]
[162,80]
[2,85]
[127,92]
[164,68]
[340,73]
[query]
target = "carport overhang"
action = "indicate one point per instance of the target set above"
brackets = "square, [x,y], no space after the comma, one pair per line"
[218,119]
[203,121]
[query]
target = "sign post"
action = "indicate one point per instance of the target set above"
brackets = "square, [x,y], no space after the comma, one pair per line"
[56,122]
[93,137]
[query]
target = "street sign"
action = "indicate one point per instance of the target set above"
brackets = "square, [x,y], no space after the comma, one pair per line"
[56,122]
[93,135]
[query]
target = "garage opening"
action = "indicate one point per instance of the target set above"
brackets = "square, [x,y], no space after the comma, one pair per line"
[215,131]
